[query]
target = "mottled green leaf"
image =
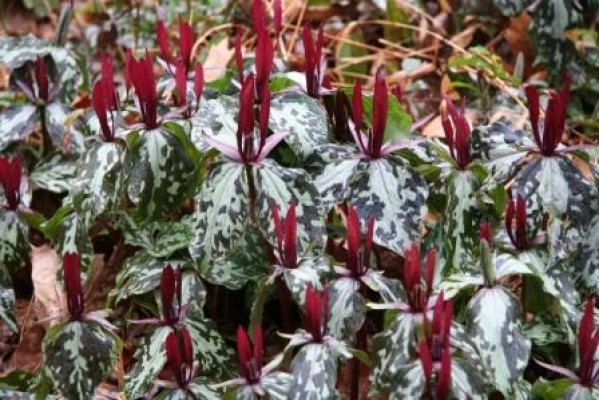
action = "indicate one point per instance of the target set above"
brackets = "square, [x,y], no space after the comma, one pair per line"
[314,373]
[55,173]
[347,308]
[161,172]
[14,244]
[150,359]
[408,382]
[303,117]
[77,356]
[7,300]
[494,317]
[16,123]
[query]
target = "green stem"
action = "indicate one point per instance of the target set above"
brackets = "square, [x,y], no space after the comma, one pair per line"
[487,264]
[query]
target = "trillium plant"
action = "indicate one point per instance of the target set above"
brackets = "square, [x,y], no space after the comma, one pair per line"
[208,210]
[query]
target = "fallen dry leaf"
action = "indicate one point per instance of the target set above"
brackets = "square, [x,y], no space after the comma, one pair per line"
[49,295]
[217,60]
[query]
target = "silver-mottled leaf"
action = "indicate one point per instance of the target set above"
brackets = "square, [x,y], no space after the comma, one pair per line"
[99,179]
[7,300]
[303,117]
[280,186]
[408,382]
[246,261]
[314,373]
[392,349]
[63,134]
[55,173]
[200,387]
[161,172]
[77,356]
[347,308]
[588,262]
[222,212]
[16,123]
[215,356]
[73,237]
[14,243]
[150,359]
[309,272]
[580,392]
[277,385]
[494,317]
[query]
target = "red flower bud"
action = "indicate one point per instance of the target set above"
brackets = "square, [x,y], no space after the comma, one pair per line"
[313,55]
[179,356]
[171,285]
[264,61]
[198,87]
[181,83]
[163,42]
[457,131]
[41,78]
[72,281]
[358,259]
[485,232]
[278,16]
[249,362]
[515,223]
[100,101]
[588,343]
[317,313]
[10,180]
[141,74]
[286,232]
[185,42]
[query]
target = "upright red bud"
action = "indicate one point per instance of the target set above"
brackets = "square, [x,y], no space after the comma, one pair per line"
[313,56]
[286,232]
[100,101]
[358,259]
[588,344]
[108,82]
[249,362]
[379,114]
[485,232]
[72,281]
[457,131]
[444,375]
[185,42]
[10,179]
[264,61]
[163,42]
[516,225]
[398,92]
[259,17]
[317,313]
[141,74]
[179,356]
[198,87]
[357,107]
[171,286]
[41,77]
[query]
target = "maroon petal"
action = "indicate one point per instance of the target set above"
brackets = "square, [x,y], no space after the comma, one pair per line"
[41,77]
[72,280]
[277,16]
[357,108]
[379,113]
[588,342]
[291,236]
[167,293]
[444,375]
[108,81]
[426,359]
[259,17]
[99,102]
[485,232]
[162,38]
[244,353]
[264,61]
[185,42]
[258,346]
[198,87]
[142,78]
[352,237]
[534,110]
[312,62]
[10,179]
[279,229]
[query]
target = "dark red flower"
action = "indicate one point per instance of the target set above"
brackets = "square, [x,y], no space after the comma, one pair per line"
[108,82]
[41,78]
[398,92]
[358,257]
[485,232]
[371,144]
[179,356]
[417,295]
[434,349]
[238,54]
[588,343]
[72,282]
[313,56]
[515,223]
[249,358]
[170,286]
[162,36]
[555,117]
[457,131]
[198,87]
[185,42]
[10,179]
[317,313]
[264,62]
[101,103]
[286,232]
[141,74]
[259,17]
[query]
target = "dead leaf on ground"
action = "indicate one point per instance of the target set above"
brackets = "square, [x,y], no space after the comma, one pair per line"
[434,129]
[217,60]
[49,295]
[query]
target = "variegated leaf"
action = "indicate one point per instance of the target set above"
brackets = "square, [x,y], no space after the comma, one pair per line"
[99,179]
[16,123]
[277,385]
[309,272]
[280,186]
[160,239]
[222,212]
[210,119]
[466,382]
[461,222]
[494,317]
[510,7]
[303,117]
[559,188]
[77,356]
[215,356]
[391,192]
[335,166]
[7,300]
[245,262]
[55,173]
[347,308]
[392,349]
[61,131]
[150,358]
[73,237]
[500,148]
[408,382]
[15,51]
[588,262]
[161,172]
[580,392]
[14,243]
[314,373]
